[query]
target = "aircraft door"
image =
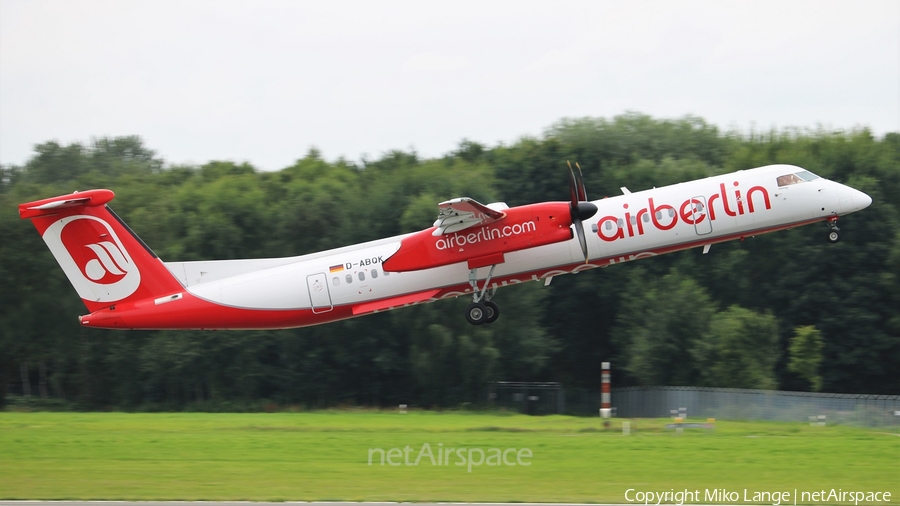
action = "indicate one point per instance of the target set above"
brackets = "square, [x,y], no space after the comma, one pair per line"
[320,298]
[700,216]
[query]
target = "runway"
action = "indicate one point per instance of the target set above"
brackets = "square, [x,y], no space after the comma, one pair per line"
[248,503]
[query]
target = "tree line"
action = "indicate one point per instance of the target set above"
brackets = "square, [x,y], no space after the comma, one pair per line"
[784,310]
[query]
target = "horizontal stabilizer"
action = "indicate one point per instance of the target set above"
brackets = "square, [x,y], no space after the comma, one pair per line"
[52,205]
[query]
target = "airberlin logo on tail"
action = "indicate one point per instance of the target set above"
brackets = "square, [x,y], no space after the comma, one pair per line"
[110,263]
[693,211]
[93,258]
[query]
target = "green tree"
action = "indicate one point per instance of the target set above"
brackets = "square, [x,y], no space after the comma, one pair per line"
[658,325]
[806,355]
[739,350]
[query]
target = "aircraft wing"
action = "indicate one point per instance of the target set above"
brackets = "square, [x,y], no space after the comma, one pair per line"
[461,213]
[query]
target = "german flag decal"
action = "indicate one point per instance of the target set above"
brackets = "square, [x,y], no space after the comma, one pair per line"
[336,268]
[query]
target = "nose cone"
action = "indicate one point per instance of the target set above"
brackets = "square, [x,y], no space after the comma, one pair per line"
[862,200]
[852,200]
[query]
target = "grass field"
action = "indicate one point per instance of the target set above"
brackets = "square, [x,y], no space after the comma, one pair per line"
[324,456]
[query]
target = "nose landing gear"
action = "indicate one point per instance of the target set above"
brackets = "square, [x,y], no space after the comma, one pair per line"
[833,230]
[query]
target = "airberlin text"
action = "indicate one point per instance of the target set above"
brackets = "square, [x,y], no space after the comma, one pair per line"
[459,240]
[692,211]
[747,496]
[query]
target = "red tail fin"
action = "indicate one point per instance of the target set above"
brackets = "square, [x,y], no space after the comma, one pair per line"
[103,259]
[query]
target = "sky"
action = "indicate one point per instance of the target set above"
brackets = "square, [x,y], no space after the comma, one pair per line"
[263,82]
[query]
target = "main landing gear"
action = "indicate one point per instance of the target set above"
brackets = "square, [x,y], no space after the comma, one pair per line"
[833,230]
[482,309]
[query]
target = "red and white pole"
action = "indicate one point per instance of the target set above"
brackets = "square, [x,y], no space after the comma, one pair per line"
[605,409]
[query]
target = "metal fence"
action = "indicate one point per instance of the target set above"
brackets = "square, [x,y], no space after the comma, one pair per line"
[741,404]
[698,402]
[533,398]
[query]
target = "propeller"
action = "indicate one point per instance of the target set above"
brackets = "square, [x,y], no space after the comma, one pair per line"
[580,208]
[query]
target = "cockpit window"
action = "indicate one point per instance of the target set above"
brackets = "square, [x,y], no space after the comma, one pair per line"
[789,179]
[799,177]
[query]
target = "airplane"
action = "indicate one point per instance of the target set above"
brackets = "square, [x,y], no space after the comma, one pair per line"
[471,250]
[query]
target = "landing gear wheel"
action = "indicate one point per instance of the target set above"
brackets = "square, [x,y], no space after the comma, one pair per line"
[833,230]
[477,313]
[493,312]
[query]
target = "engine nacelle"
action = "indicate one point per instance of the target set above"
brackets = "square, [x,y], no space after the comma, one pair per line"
[482,245]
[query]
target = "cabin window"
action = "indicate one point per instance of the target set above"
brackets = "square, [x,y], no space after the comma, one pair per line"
[362,276]
[349,279]
[646,218]
[386,273]
[336,281]
[620,223]
[374,273]
[608,225]
[633,220]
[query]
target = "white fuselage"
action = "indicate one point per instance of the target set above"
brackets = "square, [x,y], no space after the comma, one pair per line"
[626,227]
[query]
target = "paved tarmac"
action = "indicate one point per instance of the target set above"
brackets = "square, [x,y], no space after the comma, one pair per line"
[248,503]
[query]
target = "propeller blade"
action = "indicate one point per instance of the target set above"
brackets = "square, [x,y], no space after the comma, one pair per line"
[573,186]
[582,240]
[582,193]
[580,208]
